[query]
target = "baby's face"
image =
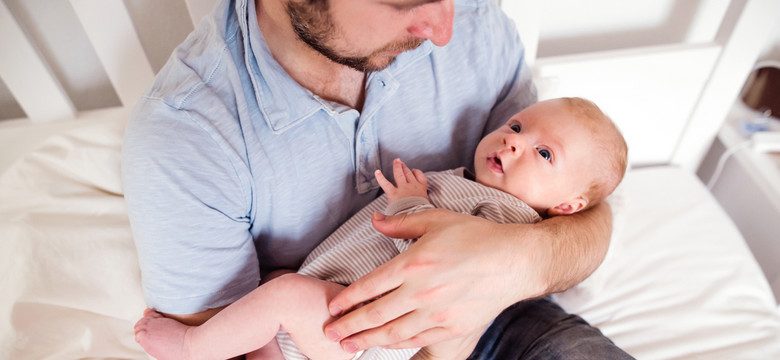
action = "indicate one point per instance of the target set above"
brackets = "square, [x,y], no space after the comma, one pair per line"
[540,156]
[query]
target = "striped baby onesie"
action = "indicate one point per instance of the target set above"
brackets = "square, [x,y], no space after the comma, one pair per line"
[356,248]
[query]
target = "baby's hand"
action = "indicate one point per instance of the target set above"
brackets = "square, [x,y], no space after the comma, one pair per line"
[408,182]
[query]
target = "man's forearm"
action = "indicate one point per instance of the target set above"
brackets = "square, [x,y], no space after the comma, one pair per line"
[571,247]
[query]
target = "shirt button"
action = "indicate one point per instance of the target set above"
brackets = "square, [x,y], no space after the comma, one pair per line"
[383,83]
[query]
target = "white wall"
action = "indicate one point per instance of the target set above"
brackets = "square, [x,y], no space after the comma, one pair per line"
[570,26]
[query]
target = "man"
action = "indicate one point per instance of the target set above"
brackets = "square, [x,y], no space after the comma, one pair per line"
[261,135]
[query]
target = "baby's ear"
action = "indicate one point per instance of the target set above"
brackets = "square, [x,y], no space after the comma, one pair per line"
[568,207]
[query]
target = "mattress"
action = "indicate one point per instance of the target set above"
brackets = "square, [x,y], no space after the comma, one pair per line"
[678,282]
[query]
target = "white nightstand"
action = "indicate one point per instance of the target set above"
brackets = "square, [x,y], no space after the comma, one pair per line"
[748,188]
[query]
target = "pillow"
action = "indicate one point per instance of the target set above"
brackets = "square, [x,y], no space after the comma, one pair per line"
[681,282]
[71,283]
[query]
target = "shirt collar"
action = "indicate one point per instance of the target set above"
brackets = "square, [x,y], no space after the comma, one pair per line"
[283,102]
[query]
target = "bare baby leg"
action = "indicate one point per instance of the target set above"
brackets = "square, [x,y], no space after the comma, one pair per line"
[292,302]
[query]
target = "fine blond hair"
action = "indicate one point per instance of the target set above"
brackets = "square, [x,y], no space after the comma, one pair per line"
[611,150]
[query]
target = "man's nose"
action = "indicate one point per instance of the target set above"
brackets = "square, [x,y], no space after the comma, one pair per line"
[434,22]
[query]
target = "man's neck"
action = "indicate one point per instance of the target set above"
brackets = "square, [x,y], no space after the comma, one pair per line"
[323,77]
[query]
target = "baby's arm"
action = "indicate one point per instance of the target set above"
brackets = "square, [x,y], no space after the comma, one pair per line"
[409,183]
[295,303]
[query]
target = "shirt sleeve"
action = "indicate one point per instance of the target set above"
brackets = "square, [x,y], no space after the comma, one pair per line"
[189,202]
[514,77]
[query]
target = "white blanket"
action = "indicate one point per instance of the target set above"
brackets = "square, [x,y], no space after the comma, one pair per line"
[678,282]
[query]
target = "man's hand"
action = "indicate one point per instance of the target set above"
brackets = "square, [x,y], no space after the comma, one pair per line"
[408,182]
[457,277]
[461,273]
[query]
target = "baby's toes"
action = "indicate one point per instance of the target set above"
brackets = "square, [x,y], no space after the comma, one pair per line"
[140,335]
[141,325]
[149,312]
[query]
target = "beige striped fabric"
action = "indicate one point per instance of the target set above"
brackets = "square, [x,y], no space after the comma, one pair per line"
[356,248]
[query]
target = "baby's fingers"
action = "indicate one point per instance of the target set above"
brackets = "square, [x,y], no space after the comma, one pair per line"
[400,172]
[420,176]
[385,184]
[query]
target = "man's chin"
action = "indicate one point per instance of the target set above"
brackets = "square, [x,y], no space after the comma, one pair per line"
[380,64]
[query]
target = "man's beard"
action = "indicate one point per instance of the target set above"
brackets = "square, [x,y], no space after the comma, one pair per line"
[312,23]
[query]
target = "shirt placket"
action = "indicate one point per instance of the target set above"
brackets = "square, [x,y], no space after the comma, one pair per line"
[381,86]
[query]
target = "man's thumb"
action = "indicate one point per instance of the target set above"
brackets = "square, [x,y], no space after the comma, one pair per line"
[403,226]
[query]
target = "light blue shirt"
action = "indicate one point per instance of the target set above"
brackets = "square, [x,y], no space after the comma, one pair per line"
[231,169]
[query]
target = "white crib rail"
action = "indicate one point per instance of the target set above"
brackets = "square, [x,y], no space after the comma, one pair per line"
[27,75]
[675,120]
[111,32]
[708,73]
[34,86]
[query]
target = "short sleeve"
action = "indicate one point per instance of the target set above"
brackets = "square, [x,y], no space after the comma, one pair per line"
[514,75]
[189,200]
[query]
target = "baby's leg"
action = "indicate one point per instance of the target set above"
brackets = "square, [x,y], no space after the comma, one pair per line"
[270,351]
[162,337]
[307,315]
[294,302]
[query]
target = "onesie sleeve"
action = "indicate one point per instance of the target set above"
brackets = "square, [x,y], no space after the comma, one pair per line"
[505,212]
[408,205]
[188,199]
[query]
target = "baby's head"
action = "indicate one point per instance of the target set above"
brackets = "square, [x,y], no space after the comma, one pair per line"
[559,156]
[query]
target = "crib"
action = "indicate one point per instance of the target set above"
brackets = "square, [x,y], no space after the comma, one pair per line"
[678,282]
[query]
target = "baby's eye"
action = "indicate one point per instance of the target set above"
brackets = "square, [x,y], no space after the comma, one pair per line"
[515,127]
[545,154]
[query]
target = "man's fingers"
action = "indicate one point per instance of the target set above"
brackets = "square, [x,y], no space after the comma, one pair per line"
[369,325]
[375,283]
[425,338]
[411,226]
[398,331]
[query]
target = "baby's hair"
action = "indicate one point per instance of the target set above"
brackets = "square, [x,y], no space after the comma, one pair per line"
[612,158]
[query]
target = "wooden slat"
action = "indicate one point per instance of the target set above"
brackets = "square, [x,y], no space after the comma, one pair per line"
[741,48]
[27,75]
[110,30]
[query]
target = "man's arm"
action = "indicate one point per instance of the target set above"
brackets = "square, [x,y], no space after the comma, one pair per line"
[462,272]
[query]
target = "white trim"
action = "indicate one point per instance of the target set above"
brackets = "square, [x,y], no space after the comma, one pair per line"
[741,49]
[110,30]
[27,75]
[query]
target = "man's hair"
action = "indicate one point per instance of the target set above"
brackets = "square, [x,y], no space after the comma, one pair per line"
[611,158]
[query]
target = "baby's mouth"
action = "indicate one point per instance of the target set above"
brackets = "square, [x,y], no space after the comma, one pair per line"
[494,164]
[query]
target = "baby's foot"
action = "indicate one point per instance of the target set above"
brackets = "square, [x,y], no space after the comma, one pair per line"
[161,337]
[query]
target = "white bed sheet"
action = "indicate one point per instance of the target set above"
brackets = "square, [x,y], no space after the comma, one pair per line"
[678,282]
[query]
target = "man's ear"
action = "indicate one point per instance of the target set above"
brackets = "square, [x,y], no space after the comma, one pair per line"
[568,207]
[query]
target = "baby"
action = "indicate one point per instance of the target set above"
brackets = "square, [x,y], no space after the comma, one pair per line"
[556,157]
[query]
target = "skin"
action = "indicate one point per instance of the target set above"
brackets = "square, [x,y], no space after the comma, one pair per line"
[536,156]
[253,321]
[543,154]
[438,292]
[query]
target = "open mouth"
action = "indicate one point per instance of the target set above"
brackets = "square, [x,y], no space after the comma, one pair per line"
[494,164]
